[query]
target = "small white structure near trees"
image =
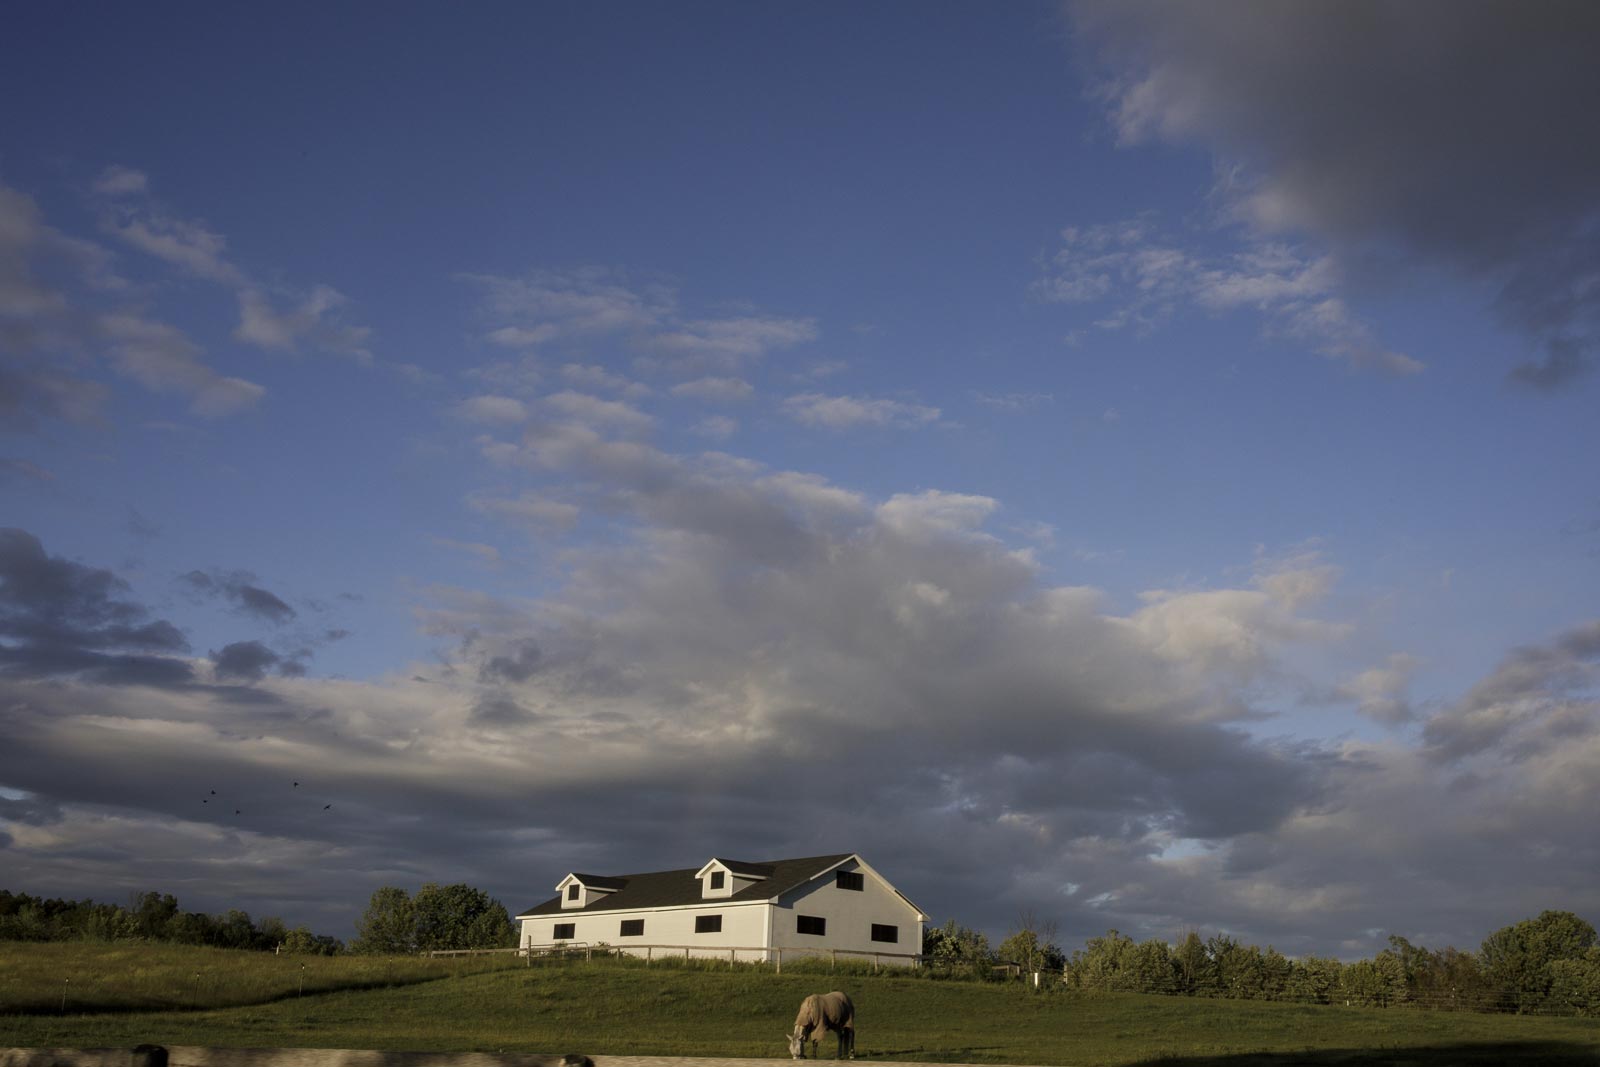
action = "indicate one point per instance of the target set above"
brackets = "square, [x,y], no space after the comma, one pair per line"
[734,910]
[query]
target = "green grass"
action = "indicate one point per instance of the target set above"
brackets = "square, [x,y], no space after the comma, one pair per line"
[611,1007]
[40,978]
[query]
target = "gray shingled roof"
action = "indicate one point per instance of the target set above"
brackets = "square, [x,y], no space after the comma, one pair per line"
[665,889]
[599,881]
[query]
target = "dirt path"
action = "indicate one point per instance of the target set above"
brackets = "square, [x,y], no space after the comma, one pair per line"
[709,1061]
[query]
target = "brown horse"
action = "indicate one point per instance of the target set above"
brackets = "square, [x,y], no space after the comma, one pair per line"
[819,1012]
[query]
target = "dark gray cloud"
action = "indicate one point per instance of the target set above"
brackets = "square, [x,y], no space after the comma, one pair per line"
[1454,135]
[517,665]
[244,660]
[499,710]
[58,617]
[239,589]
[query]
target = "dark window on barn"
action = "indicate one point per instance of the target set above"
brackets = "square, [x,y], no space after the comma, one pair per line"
[811,924]
[632,928]
[716,879]
[708,924]
[572,891]
[850,880]
[885,932]
[565,931]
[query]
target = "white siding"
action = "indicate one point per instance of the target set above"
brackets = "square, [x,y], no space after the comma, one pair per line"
[743,926]
[849,914]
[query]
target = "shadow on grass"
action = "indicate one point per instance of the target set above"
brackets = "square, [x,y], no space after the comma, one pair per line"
[46,1008]
[1481,1054]
[924,1054]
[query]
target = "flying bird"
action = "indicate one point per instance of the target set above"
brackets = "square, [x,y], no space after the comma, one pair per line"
[325,807]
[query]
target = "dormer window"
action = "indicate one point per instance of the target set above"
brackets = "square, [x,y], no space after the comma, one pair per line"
[581,890]
[721,879]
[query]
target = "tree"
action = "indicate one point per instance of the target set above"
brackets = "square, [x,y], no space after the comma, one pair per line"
[1575,984]
[1191,966]
[1518,958]
[1103,963]
[459,916]
[299,942]
[955,946]
[154,912]
[1313,979]
[271,931]
[388,926]
[1031,945]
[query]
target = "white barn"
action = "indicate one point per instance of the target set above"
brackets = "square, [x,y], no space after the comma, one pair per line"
[731,909]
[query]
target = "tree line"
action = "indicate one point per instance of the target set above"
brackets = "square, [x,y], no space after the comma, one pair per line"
[1548,964]
[437,917]
[152,917]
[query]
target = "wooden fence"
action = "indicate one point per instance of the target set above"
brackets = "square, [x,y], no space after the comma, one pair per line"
[751,953]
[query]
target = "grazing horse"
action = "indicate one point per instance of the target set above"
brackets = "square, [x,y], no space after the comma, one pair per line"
[819,1012]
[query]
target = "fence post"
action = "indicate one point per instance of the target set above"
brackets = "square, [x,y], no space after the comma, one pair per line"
[647,950]
[730,959]
[833,957]
[780,961]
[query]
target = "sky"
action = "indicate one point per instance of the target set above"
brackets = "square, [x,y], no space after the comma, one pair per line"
[1126,464]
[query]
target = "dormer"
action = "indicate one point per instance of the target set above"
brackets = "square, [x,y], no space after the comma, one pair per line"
[720,879]
[581,890]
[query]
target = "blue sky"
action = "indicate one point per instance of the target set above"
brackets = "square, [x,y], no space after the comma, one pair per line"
[1091,459]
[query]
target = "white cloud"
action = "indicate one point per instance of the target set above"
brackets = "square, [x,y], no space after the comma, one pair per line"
[184,243]
[485,554]
[1237,629]
[594,306]
[492,409]
[714,390]
[544,305]
[193,247]
[595,411]
[727,344]
[314,320]
[1014,401]
[1380,692]
[528,509]
[523,337]
[930,514]
[715,427]
[118,180]
[590,376]
[162,358]
[1141,280]
[844,412]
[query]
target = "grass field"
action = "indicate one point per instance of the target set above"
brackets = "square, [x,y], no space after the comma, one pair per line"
[609,1007]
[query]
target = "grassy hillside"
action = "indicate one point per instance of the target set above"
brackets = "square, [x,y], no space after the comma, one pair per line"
[615,1008]
[50,978]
